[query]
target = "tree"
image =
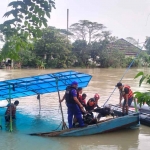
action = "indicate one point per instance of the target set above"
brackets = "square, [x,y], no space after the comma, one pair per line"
[85,29]
[13,45]
[100,51]
[29,17]
[53,47]
[27,58]
[144,59]
[143,97]
[81,51]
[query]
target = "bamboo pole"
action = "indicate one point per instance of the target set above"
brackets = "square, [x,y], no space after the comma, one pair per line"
[67,23]
[64,126]
[10,127]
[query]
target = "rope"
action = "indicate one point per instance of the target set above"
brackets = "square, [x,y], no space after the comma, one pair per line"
[123,76]
[57,127]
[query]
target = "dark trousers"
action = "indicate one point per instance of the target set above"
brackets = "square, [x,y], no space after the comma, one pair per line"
[7,118]
[129,102]
[73,109]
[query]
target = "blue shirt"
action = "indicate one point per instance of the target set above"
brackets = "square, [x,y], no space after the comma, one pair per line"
[74,93]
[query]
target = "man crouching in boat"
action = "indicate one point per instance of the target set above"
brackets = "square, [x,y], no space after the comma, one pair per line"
[11,107]
[93,102]
[127,94]
[91,105]
[73,105]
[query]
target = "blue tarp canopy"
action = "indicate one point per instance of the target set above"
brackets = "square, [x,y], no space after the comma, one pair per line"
[41,84]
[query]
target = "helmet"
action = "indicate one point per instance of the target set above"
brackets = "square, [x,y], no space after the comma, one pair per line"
[96,96]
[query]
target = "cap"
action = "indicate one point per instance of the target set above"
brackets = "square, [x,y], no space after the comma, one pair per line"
[96,96]
[74,83]
[119,84]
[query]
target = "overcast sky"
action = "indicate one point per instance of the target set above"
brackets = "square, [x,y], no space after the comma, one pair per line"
[124,18]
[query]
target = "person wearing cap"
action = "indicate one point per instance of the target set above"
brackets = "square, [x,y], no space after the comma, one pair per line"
[93,102]
[127,94]
[67,91]
[79,92]
[11,107]
[73,105]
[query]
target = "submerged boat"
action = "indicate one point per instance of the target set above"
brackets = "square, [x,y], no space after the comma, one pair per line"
[48,83]
[40,84]
[109,124]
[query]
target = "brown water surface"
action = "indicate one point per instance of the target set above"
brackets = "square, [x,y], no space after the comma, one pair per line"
[103,82]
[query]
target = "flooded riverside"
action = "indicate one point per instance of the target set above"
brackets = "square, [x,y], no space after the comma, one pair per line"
[30,120]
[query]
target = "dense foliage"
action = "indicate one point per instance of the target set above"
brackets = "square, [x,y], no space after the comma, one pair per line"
[143,97]
[30,42]
[28,18]
[53,50]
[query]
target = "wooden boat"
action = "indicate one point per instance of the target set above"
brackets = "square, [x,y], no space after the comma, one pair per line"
[42,84]
[110,124]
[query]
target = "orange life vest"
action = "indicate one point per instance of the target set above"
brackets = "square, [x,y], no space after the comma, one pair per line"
[123,92]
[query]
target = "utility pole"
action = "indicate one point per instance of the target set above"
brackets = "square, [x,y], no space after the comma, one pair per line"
[67,22]
[138,43]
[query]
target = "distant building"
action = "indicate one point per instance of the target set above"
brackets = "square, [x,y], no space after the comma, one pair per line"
[125,47]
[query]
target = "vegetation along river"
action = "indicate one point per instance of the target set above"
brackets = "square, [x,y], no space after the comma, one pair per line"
[29,119]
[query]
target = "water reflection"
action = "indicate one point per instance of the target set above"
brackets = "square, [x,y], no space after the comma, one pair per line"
[122,140]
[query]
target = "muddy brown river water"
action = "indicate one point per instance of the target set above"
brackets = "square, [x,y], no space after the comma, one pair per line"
[30,120]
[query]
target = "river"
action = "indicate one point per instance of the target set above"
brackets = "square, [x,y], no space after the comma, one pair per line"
[30,120]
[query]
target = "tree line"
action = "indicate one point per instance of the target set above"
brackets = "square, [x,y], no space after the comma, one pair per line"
[25,42]
[29,40]
[53,50]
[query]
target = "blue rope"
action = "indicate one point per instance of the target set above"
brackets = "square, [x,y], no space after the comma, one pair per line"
[123,75]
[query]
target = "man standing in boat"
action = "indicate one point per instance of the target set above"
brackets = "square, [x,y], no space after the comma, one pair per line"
[11,107]
[127,94]
[73,105]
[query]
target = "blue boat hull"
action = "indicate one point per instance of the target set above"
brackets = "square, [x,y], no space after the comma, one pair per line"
[105,126]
